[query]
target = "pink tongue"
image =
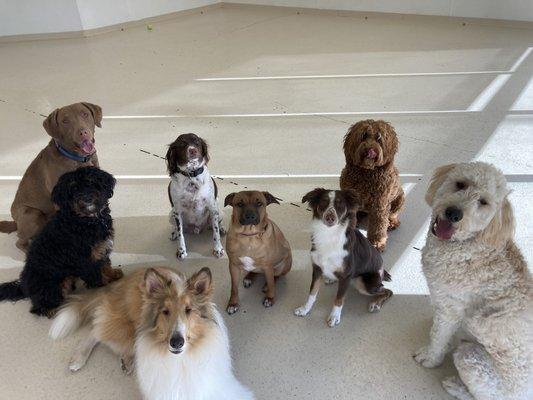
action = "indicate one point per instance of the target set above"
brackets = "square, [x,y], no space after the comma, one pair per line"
[371,153]
[444,229]
[87,146]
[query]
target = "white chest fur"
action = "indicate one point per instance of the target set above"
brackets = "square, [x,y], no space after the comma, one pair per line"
[193,196]
[329,252]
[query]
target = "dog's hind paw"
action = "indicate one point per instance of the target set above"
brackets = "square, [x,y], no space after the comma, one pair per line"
[75,365]
[328,281]
[181,254]
[246,283]
[456,388]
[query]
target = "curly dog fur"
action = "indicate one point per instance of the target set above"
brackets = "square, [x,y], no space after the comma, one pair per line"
[75,243]
[478,281]
[369,149]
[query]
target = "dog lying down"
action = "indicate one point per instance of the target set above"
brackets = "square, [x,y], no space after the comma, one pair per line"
[75,243]
[164,327]
[340,252]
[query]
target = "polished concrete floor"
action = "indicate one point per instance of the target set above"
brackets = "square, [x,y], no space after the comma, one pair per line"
[273,91]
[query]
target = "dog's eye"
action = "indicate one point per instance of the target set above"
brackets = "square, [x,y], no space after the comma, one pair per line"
[85,115]
[483,202]
[259,204]
[188,310]
[240,204]
[65,121]
[365,136]
[378,137]
[166,311]
[460,185]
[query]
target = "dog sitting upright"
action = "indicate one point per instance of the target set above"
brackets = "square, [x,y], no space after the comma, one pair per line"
[369,148]
[72,130]
[254,244]
[192,192]
[340,252]
[75,243]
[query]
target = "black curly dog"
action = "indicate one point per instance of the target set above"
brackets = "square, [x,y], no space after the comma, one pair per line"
[75,243]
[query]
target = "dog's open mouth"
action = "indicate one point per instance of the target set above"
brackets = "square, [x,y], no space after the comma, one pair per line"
[443,228]
[87,146]
[175,351]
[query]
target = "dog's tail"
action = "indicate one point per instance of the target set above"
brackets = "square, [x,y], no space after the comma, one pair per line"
[8,226]
[77,311]
[11,291]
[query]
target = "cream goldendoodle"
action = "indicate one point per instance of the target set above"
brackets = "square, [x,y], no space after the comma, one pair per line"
[479,282]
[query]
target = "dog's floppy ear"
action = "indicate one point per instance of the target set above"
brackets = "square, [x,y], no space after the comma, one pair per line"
[390,141]
[313,196]
[205,152]
[154,281]
[171,158]
[228,201]
[351,142]
[438,178]
[200,285]
[51,124]
[96,111]
[270,198]
[501,229]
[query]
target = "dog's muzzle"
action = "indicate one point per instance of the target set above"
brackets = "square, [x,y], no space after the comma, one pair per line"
[330,217]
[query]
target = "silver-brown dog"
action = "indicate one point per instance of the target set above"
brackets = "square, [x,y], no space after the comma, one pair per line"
[254,244]
[72,130]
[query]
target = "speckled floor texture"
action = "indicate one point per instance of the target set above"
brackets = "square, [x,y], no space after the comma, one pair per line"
[273,91]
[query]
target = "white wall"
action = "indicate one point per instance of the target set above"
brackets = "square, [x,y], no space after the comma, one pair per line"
[21,17]
[498,9]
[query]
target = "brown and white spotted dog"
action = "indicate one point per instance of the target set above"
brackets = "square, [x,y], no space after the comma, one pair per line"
[340,252]
[192,192]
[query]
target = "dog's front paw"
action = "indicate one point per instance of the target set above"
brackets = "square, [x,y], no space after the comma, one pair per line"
[334,318]
[126,365]
[76,363]
[218,252]
[232,308]
[181,254]
[268,302]
[429,360]
[379,244]
[301,311]
[173,235]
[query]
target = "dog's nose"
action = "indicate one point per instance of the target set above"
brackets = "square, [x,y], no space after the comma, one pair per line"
[330,218]
[453,214]
[250,218]
[84,133]
[193,152]
[177,341]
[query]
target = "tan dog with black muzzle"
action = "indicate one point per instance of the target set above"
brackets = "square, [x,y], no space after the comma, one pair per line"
[254,244]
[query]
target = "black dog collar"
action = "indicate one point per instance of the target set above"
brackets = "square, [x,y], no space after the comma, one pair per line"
[72,156]
[192,174]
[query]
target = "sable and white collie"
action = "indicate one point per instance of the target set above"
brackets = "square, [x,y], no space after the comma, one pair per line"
[162,326]
[340,252]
